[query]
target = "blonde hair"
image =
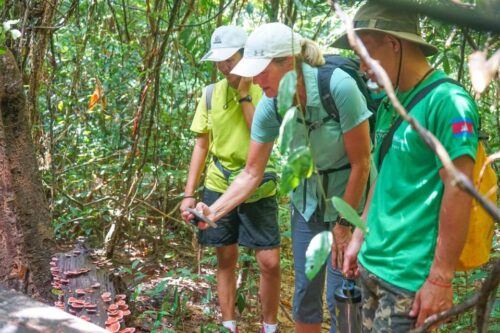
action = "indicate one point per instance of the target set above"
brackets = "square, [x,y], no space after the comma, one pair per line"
[311,53]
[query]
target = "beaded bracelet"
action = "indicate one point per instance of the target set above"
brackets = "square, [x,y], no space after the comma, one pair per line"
[439,283]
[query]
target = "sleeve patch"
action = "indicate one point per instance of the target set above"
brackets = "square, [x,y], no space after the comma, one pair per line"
[462,127]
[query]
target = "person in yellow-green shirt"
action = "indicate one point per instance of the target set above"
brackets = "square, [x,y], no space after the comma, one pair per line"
[222,124]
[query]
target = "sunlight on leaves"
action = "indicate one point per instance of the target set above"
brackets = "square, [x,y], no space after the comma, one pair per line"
[286,91]
[317,252]
[349,213]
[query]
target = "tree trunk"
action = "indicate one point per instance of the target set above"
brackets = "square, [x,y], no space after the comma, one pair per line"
[26,243]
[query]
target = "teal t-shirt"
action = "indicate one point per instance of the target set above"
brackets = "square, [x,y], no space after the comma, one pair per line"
[327,142]
[403,217]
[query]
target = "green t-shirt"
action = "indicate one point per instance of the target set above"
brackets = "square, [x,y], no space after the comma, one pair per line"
[229,133]
[403,217]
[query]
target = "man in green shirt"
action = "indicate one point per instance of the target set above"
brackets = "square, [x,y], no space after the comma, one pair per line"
[417,218]
[222,124]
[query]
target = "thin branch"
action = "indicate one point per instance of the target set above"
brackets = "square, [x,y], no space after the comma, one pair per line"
[487,290]
[209,19]
[462,181]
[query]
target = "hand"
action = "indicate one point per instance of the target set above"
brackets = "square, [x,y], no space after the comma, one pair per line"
[187,203]
[341,238]
[244,86]
[430,300]
[205,210]
[350,269]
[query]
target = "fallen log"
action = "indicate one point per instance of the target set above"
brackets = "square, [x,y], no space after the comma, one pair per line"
[86,289]
[21,314]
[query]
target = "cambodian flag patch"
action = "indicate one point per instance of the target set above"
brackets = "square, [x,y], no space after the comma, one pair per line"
[462,127]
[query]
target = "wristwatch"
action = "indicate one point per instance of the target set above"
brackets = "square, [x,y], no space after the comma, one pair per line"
[247,98]
[343,222]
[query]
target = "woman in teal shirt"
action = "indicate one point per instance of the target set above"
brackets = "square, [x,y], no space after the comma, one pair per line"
[271,51]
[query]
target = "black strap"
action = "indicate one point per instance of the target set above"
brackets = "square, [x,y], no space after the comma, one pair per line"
[328,171]
[324,76]
[268,175]
[387,142]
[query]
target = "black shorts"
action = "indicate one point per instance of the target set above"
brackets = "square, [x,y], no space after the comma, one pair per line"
[253,225]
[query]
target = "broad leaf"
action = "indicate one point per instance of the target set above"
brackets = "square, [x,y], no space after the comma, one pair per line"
[298,166]
[289,180]
[349,213]
[287,129]
[286,91]
[317,252]
[301,162]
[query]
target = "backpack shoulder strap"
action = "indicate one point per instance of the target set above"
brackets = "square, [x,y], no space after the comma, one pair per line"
[387,142]
[325,72]
[209,91]
[324,75]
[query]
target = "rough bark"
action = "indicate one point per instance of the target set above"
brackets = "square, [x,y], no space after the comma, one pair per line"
[25,238]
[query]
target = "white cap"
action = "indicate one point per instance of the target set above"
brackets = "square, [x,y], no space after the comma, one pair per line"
[226,41]
[271,40]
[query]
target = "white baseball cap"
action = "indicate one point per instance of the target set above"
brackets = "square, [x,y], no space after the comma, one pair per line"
[271,40]
[226,41]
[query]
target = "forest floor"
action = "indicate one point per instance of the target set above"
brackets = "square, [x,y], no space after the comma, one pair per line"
[175,297]
[173,293]
[173,288]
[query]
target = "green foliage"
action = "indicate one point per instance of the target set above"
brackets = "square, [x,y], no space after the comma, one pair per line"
[126,159]
[286,91]
[349,213]
[287,129]
[299,166]
[317,252]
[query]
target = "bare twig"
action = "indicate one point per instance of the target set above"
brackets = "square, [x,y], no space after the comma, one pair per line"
[487,291]
[430,140]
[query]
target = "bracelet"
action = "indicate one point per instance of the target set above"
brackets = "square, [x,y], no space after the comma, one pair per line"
[439,283]
[188,196]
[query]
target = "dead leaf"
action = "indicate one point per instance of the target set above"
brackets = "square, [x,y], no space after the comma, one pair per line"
[97,96]
[481,70]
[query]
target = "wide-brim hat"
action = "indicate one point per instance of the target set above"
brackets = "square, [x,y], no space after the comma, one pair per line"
[373,16]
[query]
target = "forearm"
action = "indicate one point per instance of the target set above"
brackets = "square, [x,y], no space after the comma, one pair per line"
[357,146]
[196,166]
[453,226]
[248,110]
[246,182]
[356,183]
[242,187]
[453,223]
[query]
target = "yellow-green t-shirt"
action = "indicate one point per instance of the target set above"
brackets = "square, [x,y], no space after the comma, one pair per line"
[230,135]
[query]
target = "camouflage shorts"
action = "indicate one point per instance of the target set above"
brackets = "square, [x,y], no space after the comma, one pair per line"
[386,308]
